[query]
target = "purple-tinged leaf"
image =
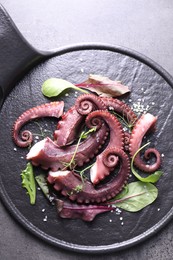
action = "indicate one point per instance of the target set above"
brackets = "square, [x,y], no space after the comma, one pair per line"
[79,211]
[104,86]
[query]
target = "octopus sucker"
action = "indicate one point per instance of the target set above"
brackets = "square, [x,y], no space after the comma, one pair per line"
[144,124]
[52,109]
[89,192]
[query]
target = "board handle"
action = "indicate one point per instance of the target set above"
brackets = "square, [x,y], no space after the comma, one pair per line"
[17,56]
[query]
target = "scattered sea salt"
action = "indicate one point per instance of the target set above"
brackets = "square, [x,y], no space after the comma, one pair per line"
[66,94]
[158,209]
[122,223]
[139,108]
[110,220]
[82,70]
[38,188]
[15,149]
[43,210]
[121,218]
[118,211]
[162,155]
[45,218]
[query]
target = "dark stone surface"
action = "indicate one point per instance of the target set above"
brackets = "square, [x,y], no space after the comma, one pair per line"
[139,25]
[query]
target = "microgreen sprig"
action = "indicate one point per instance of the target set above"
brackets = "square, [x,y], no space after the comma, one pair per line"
[84,134]
[125,122]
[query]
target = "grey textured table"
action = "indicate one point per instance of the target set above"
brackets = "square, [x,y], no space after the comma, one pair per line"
[145,26]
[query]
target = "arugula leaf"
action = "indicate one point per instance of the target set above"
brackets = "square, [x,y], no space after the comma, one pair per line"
[53,87]
[28,182]
[138,196]
[152,177]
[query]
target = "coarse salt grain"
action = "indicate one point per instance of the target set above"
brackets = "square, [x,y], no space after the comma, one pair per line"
[45,218]
[15,149]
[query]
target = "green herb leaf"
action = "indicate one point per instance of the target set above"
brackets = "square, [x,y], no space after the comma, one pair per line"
[28,182]
[138,196]
[123,193]
[85,134]
[42,183]
[53,87]
[152,177]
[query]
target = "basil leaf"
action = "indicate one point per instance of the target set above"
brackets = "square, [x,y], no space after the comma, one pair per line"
[154,177]
[139,196]
[53,87]
[28,182]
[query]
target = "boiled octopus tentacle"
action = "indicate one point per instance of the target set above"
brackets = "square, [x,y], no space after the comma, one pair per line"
[87,103]
[74,118]
[68,127]
[67,181]
[99,171]
[49,156]
[121,108]
[144,124]
[52,109]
